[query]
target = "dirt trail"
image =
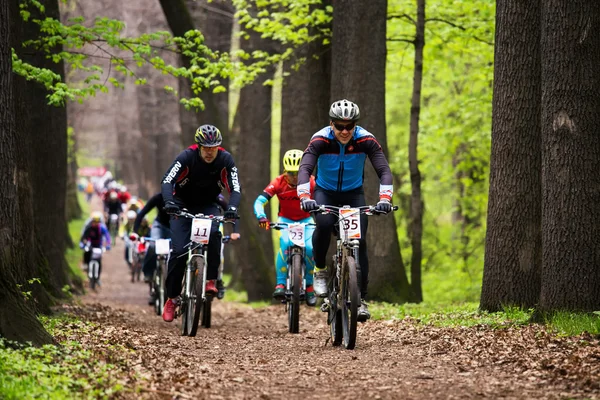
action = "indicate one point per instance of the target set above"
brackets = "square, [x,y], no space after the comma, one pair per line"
[248,354]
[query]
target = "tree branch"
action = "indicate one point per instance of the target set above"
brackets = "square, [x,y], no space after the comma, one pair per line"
[462,28]
[403,16]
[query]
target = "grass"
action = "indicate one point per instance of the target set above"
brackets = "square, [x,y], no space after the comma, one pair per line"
[67,371]
[571,324]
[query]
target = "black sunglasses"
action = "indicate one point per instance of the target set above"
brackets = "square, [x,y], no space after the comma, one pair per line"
[348,127]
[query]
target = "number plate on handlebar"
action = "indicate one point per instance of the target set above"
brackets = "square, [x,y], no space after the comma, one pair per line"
[296,233]
[350,223]
[200,230]
[162,246]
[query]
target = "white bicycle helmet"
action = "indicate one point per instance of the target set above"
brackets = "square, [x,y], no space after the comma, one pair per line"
[344,110]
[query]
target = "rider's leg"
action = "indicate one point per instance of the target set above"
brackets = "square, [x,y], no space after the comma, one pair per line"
[309,260]
[324,229]
[282,254]
[181,229]
[214,244]
[149,263]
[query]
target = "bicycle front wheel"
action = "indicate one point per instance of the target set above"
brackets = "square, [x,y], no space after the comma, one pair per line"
[207,312]
[294,303]
[350,302]
[195,303]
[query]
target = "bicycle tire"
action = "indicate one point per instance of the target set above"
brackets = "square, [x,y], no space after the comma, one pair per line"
[195,304]
[207,313]
[334,314]
[294,303]
[350,303]
[93,280]
[159,289]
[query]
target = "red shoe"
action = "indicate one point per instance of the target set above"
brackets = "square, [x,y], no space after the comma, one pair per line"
[169,310]
[211,288]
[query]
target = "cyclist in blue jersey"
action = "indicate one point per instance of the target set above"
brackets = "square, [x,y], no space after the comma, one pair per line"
[339,152]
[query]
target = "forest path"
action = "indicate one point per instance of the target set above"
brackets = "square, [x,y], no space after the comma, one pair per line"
[249,354]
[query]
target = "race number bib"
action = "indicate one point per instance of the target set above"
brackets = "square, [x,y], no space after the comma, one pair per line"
[162,247]
[350,223]
[96,253]
[200,230]
[296,234]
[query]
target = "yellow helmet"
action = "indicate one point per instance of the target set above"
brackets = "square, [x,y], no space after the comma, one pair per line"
[291,160]
[96,216]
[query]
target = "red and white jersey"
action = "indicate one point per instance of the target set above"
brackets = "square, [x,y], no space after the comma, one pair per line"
[289,202]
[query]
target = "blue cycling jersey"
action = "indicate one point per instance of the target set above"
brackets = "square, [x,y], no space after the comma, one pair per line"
[340,167]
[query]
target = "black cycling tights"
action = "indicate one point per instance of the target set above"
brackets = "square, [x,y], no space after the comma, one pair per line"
[325,226]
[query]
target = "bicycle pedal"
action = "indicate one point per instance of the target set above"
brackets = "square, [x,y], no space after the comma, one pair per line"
[325,307]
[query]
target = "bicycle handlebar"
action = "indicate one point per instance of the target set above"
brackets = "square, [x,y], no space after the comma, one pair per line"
[369,210]
[218,218]
[284,225]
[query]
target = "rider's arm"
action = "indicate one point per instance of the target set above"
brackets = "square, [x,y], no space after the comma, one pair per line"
[85,233]
[105,234]
[176,172]
[153,202]
[307,165]
[259,205]
[381,166]
[232,182]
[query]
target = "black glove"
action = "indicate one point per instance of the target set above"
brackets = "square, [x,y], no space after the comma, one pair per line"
[171,208]
[231,213]
[384,206]
[308,205]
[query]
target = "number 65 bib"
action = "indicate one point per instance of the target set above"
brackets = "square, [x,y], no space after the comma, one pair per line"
[350,223]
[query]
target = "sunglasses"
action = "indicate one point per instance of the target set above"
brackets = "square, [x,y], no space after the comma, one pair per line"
[348,127]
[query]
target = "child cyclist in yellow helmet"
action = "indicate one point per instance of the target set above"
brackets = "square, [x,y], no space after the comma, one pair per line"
[284,187]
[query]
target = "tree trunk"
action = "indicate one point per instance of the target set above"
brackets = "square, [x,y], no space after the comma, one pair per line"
[305,96]
[571,155]
[215,20]
[14,253]
[358,74]
[511,274]
[48,174]
[252,127]
[180,21]
[416,200]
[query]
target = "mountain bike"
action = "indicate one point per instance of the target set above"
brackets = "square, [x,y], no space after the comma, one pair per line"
[194,299]
[138,252]
[343,298]
[162,248]
[295,288]
[113,226]
[94,265]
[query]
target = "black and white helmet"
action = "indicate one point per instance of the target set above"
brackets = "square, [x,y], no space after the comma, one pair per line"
[344,110]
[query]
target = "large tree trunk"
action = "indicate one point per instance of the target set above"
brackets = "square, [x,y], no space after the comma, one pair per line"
[215,20]
[305,96]
[252,127]
[14,254]
[511,274]
[416,200]
[358,74]
[180,21]
[46,133]
[157,110]
[571,155]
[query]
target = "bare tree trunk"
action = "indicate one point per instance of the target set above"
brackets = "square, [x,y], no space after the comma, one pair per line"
[14,254]
[305,96]
[180,21]
[416,199]
[358,74]
[255,252]
[570,155]
[511,274]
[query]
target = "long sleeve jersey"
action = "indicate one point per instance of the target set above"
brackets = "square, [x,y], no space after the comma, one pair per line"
[340,168]
[190,181]
[289,202]
[155,201]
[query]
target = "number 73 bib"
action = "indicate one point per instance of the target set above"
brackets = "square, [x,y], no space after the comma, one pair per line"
[200,230]
[350,223]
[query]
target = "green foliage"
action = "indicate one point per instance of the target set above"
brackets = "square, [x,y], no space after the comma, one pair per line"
[289,22]
[54,372]
[454,137]
[80,42]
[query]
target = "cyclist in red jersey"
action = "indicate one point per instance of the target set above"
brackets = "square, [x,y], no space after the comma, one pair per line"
[284,187]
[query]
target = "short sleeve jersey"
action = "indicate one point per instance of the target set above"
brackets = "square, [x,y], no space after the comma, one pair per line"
[289,202]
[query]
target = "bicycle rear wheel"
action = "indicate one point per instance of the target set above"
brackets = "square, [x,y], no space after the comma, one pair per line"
[334,314]
[195,303]
[350,302]
[160,293]
[294,303]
